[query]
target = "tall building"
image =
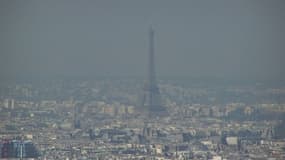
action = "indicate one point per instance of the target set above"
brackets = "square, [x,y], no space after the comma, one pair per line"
[9,103]
[151,97]
[18,149]
[77,124]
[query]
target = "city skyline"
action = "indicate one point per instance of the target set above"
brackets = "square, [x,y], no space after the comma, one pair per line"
[142,80]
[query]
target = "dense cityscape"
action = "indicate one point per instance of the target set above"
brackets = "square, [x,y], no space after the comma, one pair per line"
[101,119]
[142,80]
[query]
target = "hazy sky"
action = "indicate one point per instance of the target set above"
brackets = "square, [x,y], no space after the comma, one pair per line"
[222,38]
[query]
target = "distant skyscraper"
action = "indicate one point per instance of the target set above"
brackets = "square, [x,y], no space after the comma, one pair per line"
[18,149]
[151,97]
[77,124]
[9,103]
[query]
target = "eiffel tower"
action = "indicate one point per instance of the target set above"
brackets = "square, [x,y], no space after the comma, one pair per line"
[151,96]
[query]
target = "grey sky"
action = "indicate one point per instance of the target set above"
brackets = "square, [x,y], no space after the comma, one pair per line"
[223,38]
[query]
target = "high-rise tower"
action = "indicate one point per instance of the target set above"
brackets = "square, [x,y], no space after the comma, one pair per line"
[76,117]
[151,97]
